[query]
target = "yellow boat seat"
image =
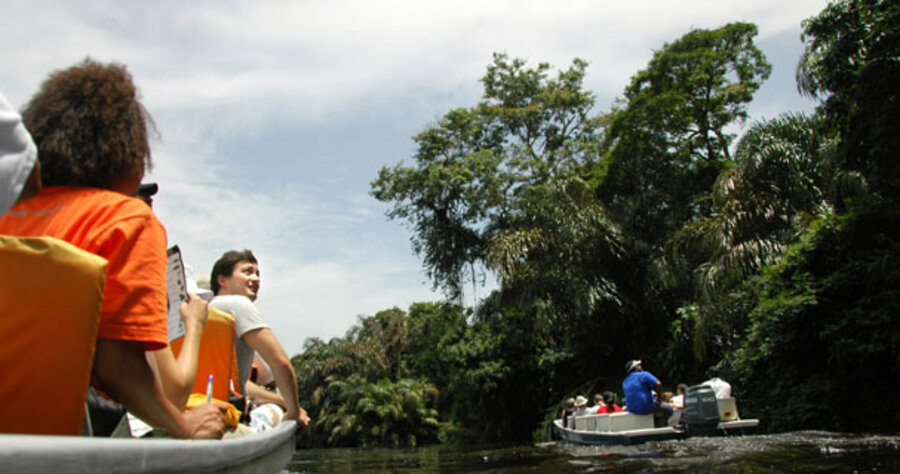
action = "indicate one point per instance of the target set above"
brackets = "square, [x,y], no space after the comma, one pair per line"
[50,300]
[217,355]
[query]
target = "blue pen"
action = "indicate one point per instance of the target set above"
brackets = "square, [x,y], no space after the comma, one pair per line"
[209,388]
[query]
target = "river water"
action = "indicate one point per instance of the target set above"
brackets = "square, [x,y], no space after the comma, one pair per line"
[808,451]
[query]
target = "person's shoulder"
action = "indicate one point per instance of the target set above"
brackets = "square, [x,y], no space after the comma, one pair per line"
[104,209]
[125,205]
[229,299]
[103,201]
[232,302]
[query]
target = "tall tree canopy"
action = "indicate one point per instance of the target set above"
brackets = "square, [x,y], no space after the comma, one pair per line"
[472,168]
[669,138]
[851,60]
[825,324]
[778,184]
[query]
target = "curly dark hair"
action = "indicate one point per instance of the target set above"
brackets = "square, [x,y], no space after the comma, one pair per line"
[89,126]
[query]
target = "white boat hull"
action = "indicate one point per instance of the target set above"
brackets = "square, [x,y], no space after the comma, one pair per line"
[266,452]
[638,436]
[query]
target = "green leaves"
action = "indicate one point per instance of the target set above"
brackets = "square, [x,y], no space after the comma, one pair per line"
[473,167]
[382,413]
[645,230]
[826,320]
[359,387]
[851,62]
[668,140]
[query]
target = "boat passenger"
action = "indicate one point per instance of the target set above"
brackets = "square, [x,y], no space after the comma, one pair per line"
[20,170]
[721,387]
[235,283]
[580,405]
[598,404]
[678,399]
[263,374]
[638,387]
[146,191]
[178,374]
[568,410]
[609,403]
[91,131]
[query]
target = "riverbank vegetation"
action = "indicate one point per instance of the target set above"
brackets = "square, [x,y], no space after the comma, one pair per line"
[648,231]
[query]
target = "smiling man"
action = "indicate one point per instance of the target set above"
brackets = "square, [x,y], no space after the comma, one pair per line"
[235,282]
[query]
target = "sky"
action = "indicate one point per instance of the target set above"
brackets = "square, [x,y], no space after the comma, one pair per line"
[273,117]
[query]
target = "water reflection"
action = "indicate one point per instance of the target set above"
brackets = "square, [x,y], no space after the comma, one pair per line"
[809,451]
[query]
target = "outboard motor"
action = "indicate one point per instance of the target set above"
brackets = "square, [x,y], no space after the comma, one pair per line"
[701,410]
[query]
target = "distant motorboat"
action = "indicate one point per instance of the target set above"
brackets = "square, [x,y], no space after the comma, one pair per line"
[703,415]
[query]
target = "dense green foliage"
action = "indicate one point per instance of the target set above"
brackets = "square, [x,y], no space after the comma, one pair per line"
[825,333]
[645,232]
[474,166]
[851,61]
[357,390]
[668,140]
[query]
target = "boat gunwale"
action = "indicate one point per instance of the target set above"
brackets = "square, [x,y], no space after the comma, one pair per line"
[36,453]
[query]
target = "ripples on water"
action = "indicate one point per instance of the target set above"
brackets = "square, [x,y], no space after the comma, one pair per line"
[808,451]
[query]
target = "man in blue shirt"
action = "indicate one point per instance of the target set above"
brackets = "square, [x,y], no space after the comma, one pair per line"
[638,387]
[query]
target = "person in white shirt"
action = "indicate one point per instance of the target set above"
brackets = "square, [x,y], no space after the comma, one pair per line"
[721,387]
[678,400]
[235,282]
[580,405]
[20,170]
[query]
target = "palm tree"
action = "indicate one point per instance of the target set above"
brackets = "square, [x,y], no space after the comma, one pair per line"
[557,251]
[384,413]
[779,183]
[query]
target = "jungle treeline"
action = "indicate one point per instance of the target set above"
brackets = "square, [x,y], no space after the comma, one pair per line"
[652,231]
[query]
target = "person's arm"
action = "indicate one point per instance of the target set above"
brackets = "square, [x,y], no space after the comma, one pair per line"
[657,389]
[263,340]
[179,375]
[122,371]
[260,395]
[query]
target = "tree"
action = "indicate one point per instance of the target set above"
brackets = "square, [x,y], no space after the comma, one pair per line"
[668,140]
[824,334]
[386,333]
[358,387]
[503,374]
[383,413]
[824,328]
[435,333]
[850,61]
[474,166]
[778,184]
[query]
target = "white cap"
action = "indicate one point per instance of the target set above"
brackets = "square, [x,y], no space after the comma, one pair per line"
[17,155]
[192,286]
[630,365]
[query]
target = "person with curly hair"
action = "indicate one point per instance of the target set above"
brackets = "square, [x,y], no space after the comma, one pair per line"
[91,132]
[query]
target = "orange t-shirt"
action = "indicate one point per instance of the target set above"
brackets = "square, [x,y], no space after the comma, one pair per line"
[125,232]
